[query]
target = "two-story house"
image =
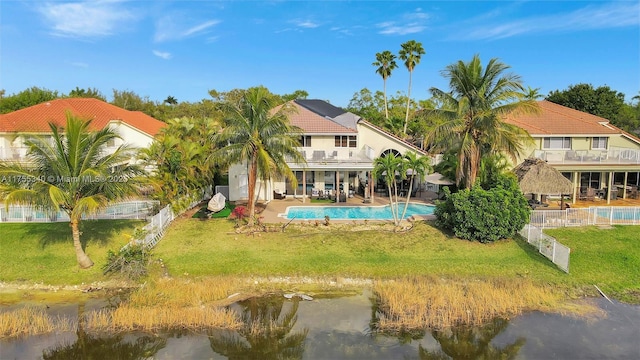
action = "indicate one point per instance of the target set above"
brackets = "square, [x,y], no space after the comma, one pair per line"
[339,148]
[587,149]
[134,127]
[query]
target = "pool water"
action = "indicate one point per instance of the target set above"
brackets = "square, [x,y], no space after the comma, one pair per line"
[354,212]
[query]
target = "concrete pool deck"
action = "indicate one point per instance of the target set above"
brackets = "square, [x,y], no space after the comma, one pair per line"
[276,207]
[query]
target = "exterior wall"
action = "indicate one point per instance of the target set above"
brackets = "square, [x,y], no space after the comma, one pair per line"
[130,135]
[238,185]
[379,142]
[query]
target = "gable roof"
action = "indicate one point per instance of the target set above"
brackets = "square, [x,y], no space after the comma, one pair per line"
[313,123]
[321,107]
[554,119]
[36,118]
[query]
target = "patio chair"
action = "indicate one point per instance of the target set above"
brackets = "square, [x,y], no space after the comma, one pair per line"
[277,194]
[633,192]
[589,195]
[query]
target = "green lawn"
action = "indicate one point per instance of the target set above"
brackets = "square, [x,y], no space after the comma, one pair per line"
[609,258]
[211,247]
[43,253]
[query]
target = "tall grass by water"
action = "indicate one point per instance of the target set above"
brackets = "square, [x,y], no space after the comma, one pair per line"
[31,320]
[436,303]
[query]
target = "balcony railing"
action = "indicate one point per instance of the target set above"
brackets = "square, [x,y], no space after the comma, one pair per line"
[14,153]
[337,156]
[593,157]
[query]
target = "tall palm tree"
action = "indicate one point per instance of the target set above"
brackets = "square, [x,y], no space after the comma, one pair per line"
[386,167]
[473,112]
[72,173]
[420,166]
[385,63]
[410,53]
[261,137]
[533,94]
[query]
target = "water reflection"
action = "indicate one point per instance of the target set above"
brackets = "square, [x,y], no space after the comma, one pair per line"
[465,342]
[97,346]
[266,332]
[340,328]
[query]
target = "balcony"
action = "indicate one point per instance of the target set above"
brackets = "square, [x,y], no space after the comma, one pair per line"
[13,153]
[590,157]
[335,157]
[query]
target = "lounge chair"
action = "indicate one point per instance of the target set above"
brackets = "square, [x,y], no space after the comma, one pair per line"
[277,194]
[589,195]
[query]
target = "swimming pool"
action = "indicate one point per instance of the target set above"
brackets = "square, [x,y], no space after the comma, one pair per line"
[353,212]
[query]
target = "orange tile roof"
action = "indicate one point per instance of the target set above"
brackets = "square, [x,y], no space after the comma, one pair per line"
[554,119]
[312,123]
[37,118]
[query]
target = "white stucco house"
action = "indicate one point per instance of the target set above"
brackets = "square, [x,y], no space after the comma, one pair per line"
[134,127]
[339,148]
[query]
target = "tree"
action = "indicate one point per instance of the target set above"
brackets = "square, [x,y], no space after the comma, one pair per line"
[601,101]
[170,100]
[298,94]
[533,94]
[73,173]
[260,136]
[410,52]
[87,93]
[473,114]
[385,63]
[181,157]
[26,98]
[418,165]
[388,167]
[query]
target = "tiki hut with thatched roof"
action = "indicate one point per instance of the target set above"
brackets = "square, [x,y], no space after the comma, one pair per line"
[535,176]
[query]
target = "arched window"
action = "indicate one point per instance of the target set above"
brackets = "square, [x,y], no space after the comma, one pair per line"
[394,152]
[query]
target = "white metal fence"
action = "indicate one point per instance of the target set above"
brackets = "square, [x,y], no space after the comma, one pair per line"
[595,215]
[123,210]
[547,246]
[154,230]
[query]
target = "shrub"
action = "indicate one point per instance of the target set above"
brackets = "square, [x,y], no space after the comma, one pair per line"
[485,215]
[131,261]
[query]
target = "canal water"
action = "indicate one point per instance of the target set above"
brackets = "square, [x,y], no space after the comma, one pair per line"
[342,328]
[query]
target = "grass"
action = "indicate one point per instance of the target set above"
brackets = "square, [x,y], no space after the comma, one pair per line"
[196,248]
[31,320]
[322,201]
[437,303]
[43,252]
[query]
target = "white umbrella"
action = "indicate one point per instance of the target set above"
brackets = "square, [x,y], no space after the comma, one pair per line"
[438,179]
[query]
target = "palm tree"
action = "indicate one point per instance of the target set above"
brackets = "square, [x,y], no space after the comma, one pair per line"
[170,100]
[473,113]
[261,137]
[386,167]
[533,94]
[72,173]
[410,53]
[419,165]
[386,63]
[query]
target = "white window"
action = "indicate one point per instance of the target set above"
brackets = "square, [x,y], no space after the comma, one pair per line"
[599,143]
[346,141]
[557,143]
[305,141]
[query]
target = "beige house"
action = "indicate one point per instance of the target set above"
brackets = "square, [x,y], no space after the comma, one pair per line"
[134,127]
[339,148]
[587,149]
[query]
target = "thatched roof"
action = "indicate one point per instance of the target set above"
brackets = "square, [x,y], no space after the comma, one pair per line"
[535,176]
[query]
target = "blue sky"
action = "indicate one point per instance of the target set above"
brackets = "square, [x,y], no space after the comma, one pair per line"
[185,48]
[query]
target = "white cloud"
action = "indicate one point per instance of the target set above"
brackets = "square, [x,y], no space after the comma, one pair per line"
[307,24]
[162,54]
[79,64]
[86,19]
[167,29]
[409,23]
[390,28]
[612,15]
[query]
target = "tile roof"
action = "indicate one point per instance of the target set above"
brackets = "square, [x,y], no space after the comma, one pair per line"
[313,123]
[554,119]
[37,118]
